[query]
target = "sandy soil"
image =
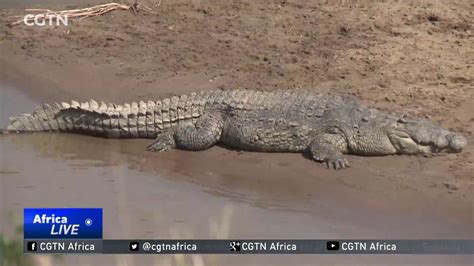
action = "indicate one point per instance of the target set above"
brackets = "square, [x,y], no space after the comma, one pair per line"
[412,56]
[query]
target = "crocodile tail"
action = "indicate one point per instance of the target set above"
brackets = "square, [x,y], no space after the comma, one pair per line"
[40,120]
[44,118]
[64,117]
[135,120]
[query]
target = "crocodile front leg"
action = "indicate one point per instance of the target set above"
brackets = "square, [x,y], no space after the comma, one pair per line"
[329,148]
[189,136]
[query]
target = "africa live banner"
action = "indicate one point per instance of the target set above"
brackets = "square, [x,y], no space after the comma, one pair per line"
[80,230]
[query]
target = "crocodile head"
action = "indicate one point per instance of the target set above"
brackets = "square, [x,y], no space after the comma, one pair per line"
[411,135]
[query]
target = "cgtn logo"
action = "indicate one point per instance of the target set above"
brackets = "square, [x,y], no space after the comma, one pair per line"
[62,223]
[45,20]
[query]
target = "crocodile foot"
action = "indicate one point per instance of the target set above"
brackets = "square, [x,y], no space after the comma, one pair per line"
[163,142]
[337,163]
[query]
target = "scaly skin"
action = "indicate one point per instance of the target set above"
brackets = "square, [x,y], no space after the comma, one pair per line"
[283,121]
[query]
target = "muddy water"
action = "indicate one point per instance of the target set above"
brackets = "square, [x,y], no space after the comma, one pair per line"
[212,194]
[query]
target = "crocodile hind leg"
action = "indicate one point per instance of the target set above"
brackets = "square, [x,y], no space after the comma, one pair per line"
[329,148]
[164,141]
[202,135]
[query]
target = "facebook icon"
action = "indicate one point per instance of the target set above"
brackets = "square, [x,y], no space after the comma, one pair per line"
[32,246]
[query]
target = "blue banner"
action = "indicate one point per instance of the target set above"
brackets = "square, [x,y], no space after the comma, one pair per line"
[62,223]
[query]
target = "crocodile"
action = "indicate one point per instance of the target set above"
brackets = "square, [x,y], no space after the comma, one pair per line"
[324,127]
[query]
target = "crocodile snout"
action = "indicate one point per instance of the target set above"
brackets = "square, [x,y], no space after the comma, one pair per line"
[456,142]
[430,138]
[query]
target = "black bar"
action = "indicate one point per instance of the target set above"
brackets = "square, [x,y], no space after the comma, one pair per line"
[282,246]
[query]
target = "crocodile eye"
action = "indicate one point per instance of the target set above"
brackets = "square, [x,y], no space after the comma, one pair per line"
[334,130]
[403,119]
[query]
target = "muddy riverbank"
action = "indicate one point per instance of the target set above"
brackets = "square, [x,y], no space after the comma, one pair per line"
[392,56]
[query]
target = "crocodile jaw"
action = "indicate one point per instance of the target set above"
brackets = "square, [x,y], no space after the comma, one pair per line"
[442,140]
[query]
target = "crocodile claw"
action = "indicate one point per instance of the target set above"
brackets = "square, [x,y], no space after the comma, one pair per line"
[337,164]
[155,148]
[162,143]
